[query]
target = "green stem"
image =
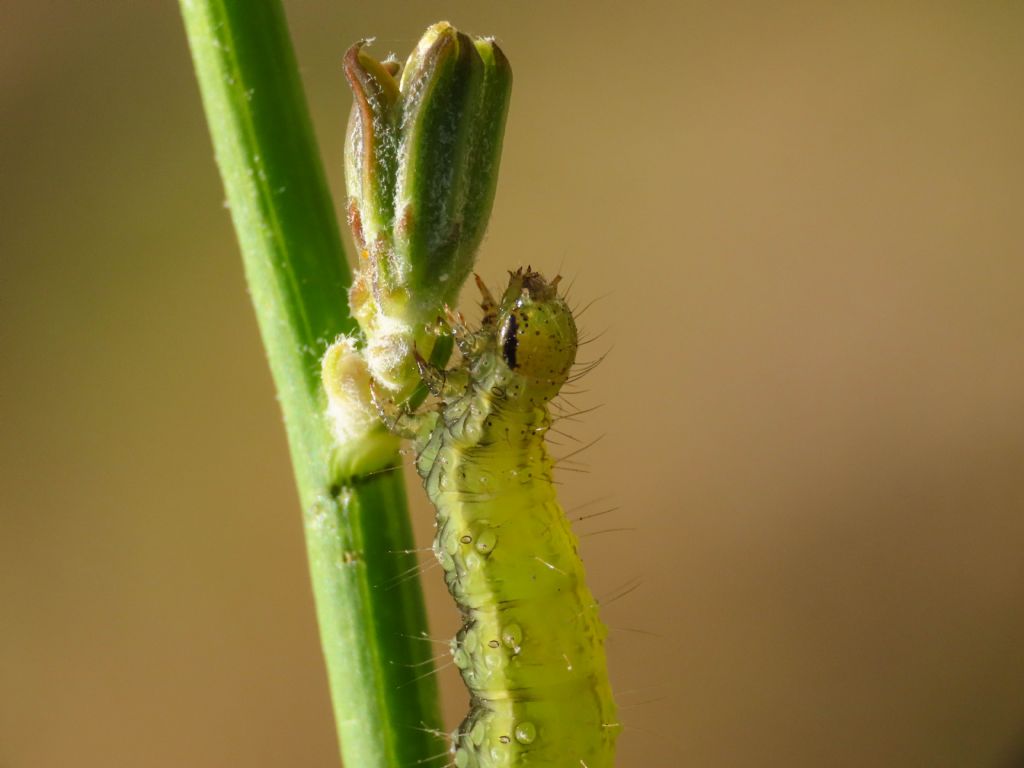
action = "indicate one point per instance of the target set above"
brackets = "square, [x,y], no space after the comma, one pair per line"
[371,615]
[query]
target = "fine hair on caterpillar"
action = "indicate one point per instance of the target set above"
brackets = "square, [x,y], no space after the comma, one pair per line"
[531,647]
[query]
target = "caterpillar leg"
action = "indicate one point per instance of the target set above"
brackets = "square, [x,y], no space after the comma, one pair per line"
[398,419]
[442,383]
[465,339]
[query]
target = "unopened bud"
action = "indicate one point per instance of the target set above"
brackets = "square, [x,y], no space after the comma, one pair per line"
[422,156]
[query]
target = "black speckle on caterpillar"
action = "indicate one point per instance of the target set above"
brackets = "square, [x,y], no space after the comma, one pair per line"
[531,649]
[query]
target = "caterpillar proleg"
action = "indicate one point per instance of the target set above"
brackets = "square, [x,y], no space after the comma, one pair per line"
[531,648]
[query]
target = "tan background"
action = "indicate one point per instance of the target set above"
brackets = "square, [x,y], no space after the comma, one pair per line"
[805,224]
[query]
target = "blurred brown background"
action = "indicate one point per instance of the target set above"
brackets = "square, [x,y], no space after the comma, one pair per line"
[804,223]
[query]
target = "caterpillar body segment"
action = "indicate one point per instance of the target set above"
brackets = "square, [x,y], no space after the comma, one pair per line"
[531,649]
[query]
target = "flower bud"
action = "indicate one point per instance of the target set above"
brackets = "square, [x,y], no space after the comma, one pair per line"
[454,99]
[421,166]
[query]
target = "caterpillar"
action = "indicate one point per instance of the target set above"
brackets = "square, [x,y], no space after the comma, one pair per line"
[531,648]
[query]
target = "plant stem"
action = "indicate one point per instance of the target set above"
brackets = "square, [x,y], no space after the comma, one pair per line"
[370,611]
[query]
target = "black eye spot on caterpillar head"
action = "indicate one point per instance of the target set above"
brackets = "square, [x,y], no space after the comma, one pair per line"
[510,341]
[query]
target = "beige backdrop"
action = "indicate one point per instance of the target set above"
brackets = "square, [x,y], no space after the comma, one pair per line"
[803,225]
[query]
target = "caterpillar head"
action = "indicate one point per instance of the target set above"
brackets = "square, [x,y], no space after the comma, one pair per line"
[536,333]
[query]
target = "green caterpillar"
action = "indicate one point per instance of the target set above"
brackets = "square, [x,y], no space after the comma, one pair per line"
[531,649]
